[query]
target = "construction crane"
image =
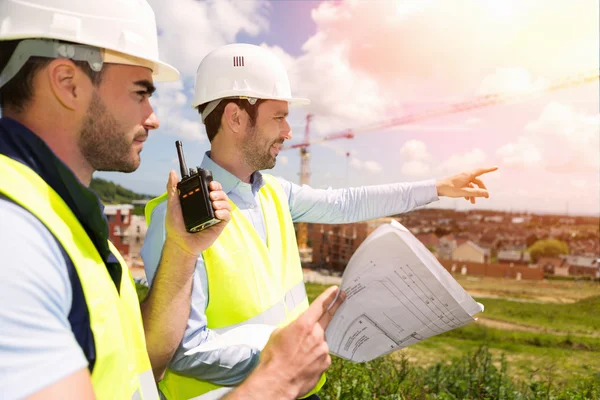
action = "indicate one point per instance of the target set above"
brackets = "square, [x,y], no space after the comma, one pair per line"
[302,234]
[476,103]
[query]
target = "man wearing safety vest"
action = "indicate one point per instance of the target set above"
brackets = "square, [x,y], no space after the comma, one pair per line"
[252,273]
[75,82]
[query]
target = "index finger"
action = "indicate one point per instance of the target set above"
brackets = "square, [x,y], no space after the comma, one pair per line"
[172,188]
[214,185]
[479,183]
[331,309]
[481,171]
[319,306]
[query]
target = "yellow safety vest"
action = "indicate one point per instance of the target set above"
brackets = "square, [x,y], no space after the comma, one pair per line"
[122,368]
[248,282]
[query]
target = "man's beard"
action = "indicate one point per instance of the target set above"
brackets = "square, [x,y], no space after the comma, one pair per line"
[257,154]
[103,144]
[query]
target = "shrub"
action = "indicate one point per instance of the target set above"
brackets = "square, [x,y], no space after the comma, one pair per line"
[474,376]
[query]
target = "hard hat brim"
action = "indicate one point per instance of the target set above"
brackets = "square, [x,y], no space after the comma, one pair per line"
[292,101]
[298,101]
[164,72]
[161,71]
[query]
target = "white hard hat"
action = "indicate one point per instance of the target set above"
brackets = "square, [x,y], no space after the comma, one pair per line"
[122,31]
[241,71]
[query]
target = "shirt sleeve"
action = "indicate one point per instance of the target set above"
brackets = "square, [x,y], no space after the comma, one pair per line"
[338,206]
[37,346]
[225,366]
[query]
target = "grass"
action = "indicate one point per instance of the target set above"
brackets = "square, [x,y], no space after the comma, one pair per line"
[551,291]
[476,374]
[565,360]
[581,317]
[482,333]
[567,365]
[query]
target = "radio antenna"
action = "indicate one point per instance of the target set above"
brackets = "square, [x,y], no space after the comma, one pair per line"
[182,165]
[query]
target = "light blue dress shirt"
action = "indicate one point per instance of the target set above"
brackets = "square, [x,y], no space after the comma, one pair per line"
[231,365]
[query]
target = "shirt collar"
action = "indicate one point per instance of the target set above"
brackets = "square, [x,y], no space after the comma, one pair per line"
[228,181]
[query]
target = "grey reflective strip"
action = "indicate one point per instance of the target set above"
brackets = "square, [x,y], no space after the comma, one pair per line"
[148,386]
[136,395]
[295,296]
[50,49]
[210,106]
[271,316]
[275,314]
[214,394]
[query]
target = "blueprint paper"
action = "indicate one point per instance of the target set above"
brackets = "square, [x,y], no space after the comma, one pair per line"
[397,294]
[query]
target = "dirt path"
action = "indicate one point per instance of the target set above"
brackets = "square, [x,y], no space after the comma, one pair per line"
[528,299]
[511,326]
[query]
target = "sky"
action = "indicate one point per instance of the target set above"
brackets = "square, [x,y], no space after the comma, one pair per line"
[365,63]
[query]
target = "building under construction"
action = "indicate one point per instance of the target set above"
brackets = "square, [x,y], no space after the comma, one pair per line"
[333,245]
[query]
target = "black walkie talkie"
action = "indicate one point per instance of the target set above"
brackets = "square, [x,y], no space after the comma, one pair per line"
[196,206]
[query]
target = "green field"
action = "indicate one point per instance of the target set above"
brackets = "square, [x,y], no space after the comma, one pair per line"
[546,291]
[544,344]
[581,317]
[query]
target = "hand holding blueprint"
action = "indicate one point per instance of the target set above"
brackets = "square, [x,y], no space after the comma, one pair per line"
[397,294]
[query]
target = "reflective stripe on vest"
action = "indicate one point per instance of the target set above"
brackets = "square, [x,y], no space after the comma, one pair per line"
[294,298]
[248,281]
[214,394]
[122,369]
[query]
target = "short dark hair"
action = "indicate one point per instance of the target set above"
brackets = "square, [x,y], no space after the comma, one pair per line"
[213,120]
[17,92]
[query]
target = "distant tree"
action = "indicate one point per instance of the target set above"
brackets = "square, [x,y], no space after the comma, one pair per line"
[494,256]
[531,239]
[110,192]
[547,248]
[142,291]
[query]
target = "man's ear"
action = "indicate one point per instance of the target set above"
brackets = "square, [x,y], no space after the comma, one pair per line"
[70,85]
[233,117]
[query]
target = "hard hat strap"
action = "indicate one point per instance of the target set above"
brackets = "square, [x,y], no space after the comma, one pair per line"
[49,49]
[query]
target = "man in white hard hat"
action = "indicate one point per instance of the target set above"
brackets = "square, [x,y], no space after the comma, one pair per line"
[252,273]
[75,82]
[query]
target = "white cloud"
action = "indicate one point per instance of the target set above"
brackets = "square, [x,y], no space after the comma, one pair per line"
[418,162]
[370,166]
[283,160]
[354,161]
[416,159]
[415,169]
[169,102]
[189,29]
[341,96]
[373,166]
[562,139]
[434,51]
[475,158]
[523,153]
[415,150]
[473,121]
[339,149]
[511,81]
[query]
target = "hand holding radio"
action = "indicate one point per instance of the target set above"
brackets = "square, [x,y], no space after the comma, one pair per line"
[198,213]
[197,208]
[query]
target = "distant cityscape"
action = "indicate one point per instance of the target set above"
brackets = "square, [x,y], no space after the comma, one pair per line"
[477,242]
